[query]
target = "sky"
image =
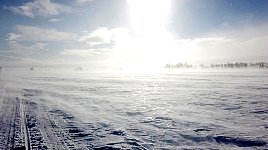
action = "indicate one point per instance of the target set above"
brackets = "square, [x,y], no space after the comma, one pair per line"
[132,33]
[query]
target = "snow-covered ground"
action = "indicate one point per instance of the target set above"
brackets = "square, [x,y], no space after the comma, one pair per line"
[188,109]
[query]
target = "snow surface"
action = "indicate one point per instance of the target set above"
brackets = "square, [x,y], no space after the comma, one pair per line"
[189,109]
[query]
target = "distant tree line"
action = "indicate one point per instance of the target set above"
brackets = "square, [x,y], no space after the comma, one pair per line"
[179,65]
[239,65]
[223,65]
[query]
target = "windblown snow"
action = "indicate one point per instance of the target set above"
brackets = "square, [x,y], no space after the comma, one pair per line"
[207,109]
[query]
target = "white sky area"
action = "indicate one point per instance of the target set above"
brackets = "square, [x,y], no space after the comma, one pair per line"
[147,41]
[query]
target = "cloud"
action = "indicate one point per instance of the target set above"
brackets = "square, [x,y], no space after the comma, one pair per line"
[6,59]
[13,36]
[85,53]
[218,48]
[55,20]
[82,1]
[39,46]
[103,35]
[103,43]
[20,49]
[36,34]
[17,48]
[44,8]
[243,33]
[88,55]
[35,38]
[244,42]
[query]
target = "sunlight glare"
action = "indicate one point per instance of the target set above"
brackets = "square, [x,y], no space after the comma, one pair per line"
[150,40]
[148,16]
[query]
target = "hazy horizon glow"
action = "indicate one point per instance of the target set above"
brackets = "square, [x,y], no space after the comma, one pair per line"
[132,33]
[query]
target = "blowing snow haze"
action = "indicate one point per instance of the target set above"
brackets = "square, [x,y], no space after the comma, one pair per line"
[133,74]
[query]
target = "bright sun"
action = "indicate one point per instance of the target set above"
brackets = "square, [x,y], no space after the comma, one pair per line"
[150,40]
[150,45]
[148,16]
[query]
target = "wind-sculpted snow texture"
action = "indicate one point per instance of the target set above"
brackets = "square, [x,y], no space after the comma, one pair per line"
[225,109]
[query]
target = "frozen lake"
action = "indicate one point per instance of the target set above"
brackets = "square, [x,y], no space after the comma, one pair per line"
[187,109]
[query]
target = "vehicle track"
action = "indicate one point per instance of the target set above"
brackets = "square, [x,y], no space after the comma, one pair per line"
[44,129]
[11,124]
[25,129]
